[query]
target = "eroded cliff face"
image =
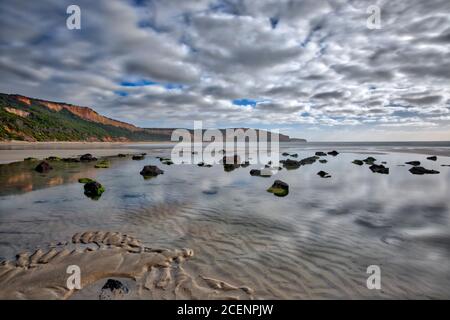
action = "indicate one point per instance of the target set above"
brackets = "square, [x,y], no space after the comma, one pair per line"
[85,113]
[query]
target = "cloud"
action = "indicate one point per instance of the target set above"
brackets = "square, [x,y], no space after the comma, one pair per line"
[304,64]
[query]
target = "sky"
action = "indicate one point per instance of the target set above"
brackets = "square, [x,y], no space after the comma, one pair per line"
[312,69]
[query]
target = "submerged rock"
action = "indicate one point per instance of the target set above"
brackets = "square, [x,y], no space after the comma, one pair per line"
[279,188]
[151,171]
[432,158]
[103,164]
[30,159]
[53,158]
[413,163]
[71,160]
[379,169]
[294,155]
[323,161]
[93,190]
[138,157]
[320,154]
[167,162]
[122,155]
[43,167]
[323,174]
[112,290]
[369,160]
[358,162]
[87,157]
[422,170]
[333,153]
[285,154]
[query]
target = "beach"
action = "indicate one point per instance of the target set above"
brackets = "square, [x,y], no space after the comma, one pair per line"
[204,232]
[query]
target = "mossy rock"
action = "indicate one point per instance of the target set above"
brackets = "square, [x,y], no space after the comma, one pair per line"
[104,164]
[279,188]
[85,180]
[53,159]
[93,190]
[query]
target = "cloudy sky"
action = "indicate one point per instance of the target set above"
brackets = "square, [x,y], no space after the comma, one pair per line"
[310,68]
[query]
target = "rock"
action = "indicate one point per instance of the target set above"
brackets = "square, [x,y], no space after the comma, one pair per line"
[93,190]
[255,172]
[245,164]
[383,162]
[167,162]
[320,154]
[358,162]
[112,290]
[122,155]
[422,170]
[323,161]
[231,163]
[290,164]
[30,159]
[266,173]
[151,171]
[445,165]
[211,191]
[294,155]
[432,158]
[324,174]
[279,188]
[379,169]
[309,160]
[369,160]
[85,180]
[52,158]
[103,164]
[43,167]
[201,164]
[71,160]
[285,154]
[413,163]
[333,153]
[138,157]
[87,157]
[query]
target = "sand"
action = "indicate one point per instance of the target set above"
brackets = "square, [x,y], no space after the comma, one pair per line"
[156,273]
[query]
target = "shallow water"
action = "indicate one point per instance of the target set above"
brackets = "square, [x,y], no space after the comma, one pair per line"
[314,243]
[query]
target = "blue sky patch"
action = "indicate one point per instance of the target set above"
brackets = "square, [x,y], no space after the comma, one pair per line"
[245,102]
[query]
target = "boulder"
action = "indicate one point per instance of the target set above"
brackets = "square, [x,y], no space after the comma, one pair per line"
[43,167]
[93,190]
[432,158]
[413,163]
[320,154]
[151,171]
[333,153]
[379,169]
[279,188]
[87,157]
[323,174]
[422,170]
[358,162]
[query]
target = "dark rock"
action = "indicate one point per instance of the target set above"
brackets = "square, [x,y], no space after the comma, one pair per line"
[285,154]
[52,158]
[43,167]
[309,160]
[93,190]
[369,160]
[445,165]
[71,160]
[112,290]
[413,163]
[432,158]
[231,163]
[245,164]
[138,157]
[320,154]
[324,174]
[333,153]
[422,170]
[279,188]
[323,161]
[151,171]
[167,162]
[383,162]
[294,155]
[201,164]
[379,169]
[358,162]
[87,157]
[290,164]
[30,159]
[122,155]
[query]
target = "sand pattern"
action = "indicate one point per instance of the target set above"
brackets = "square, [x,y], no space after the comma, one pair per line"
[158,273]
